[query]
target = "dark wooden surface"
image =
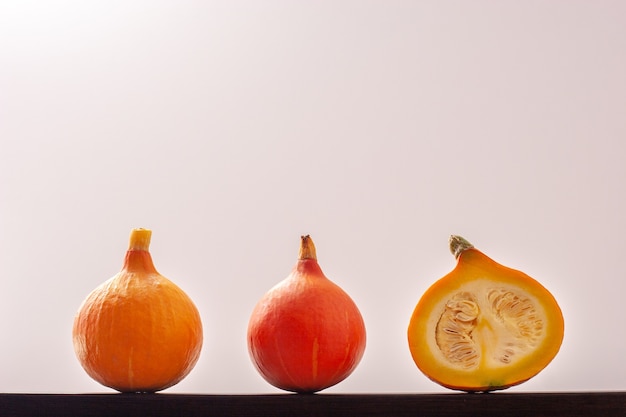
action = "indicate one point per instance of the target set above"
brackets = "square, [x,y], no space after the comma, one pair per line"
[571,404]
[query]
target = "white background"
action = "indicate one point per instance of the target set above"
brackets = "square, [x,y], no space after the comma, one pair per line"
[230,128]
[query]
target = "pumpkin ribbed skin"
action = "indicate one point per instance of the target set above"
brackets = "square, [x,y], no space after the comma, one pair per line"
[306,334]
[484,326]
[138,331]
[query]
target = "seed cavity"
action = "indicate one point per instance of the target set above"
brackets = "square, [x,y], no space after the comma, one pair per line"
[518,313]
[453,333]
[501,325]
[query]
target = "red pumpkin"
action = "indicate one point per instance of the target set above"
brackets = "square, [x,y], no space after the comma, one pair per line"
[306,334]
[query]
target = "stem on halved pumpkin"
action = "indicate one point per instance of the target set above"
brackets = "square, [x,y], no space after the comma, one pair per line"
[458,245]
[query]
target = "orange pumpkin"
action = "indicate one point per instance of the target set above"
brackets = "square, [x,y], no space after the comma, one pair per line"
[306,334]
[138,331]
[484,326]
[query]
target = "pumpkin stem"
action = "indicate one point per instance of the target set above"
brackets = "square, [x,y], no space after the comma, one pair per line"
[140,239]
[307,248]
[459,245]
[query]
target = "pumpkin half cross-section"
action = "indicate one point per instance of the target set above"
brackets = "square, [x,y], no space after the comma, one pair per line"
[484,326]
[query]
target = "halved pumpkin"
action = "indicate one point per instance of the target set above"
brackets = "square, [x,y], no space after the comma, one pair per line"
[484,326]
